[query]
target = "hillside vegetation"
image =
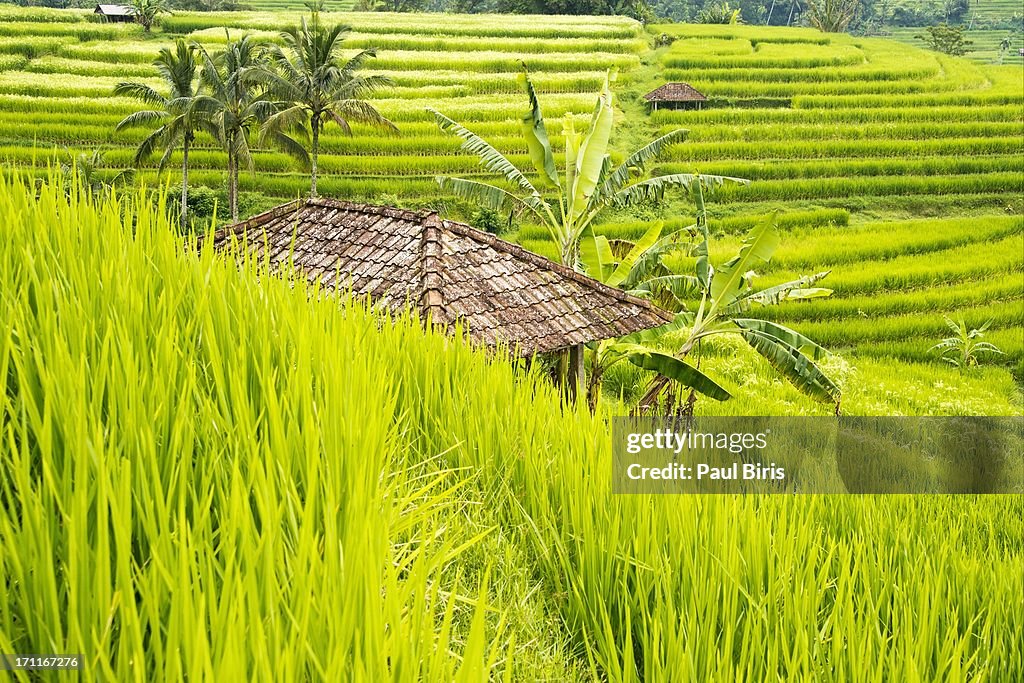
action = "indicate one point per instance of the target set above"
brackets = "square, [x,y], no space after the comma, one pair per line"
[266,485]
[898,168]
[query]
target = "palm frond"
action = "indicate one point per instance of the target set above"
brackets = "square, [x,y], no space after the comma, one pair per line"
[140,118]
[140,91]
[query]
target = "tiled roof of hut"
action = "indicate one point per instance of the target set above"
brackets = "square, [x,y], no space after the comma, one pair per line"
[675,92]
[449,271]
[114,10]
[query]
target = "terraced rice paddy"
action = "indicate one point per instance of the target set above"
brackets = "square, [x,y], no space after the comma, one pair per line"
[884,143]
[182,499]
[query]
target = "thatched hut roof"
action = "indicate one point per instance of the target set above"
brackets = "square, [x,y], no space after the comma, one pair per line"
[501,292]
[675,92]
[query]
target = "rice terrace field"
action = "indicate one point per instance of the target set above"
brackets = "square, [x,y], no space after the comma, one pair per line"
[210,473]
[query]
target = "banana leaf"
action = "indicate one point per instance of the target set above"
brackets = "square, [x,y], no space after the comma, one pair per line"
[536,135]
[797,368]
[680,371]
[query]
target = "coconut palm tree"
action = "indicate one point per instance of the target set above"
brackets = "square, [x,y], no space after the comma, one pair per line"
[177,123]
[315,86]
[232,105]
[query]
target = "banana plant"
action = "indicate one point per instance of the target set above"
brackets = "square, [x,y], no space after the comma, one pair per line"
[567,202]
[636,267]
[727,304]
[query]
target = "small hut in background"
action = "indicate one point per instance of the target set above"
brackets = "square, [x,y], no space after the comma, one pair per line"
[447,271]
[675,96]
[121,14]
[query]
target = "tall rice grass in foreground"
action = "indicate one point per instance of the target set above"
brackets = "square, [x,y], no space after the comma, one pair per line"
[208,474]
[203,473]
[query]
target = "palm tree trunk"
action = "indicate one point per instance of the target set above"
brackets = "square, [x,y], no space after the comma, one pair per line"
[233,185]
[184,178]
[315,156]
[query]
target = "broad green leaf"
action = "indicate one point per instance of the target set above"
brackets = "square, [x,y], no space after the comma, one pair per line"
[646,336]
[680,371]
[649,263]
[783,334]
[728,281]
[809,293]
[794,290]
[622,271]
[596,254]
[536,135]
[680,286]
[639,159]
[593,150]
[797,368]
[653,189]
[572,148]
[491,196]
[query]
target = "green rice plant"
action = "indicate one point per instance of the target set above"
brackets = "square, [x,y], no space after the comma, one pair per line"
[996,288]
[766,56]
[849,331]
[966,262]
[822,188]
[32,46]
[52,64]
[885,240]
[12,62]
[493,61]
[839,167]
[530,45]
[131,52]
[711,47]
[755,88]
[112,106]
[813,149]
[81,31]
[958,114]
[343,477]
[484,84]
[259,525]
[867,131]
[968,98]
[755,34]
[42,14]
[510,26]
[632,230]
[821,74]
[51,85]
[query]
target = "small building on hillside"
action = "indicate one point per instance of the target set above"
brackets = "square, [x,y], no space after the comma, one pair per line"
[675,96]
[116,13]
[448,272]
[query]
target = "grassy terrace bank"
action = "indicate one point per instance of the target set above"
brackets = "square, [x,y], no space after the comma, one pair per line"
[879,140]
[375,503]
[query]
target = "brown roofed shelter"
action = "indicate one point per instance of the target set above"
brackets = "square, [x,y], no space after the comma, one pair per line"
[501,292]
[116,13]
[675,96]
